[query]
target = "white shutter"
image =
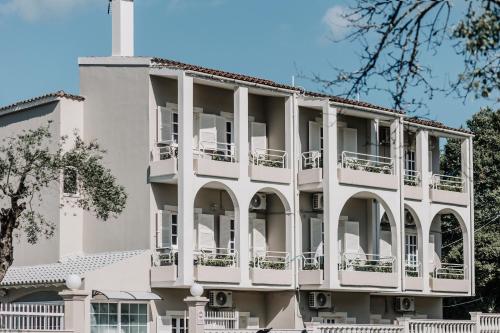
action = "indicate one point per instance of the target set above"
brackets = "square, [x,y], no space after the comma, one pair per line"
[258,136]
[164,229]
[316,233]
[164,124]
[208,131]
[221,129]
[206,236]
[351,237]
[340,140]
[224,232]
[432,251]
[385,243]
[430,161]
[350,139]
[259,235]
[314,136]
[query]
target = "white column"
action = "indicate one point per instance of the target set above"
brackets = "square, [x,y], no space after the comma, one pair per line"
[76,316]
[241,140]
[289,130]
[196,313]
[185,184]
[122,12]
[468,175]
[422,163]
[329,187]
[396,144]
[374,137]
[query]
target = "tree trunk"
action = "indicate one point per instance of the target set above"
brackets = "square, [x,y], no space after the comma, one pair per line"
[8,222]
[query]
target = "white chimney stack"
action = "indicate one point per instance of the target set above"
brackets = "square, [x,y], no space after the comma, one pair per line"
[122,12]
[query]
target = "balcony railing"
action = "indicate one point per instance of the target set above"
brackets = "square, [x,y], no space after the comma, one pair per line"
[449,271]
[312,160]
[413,269]
[31,317]
[217,151]
[366,262]
[447,183]
[165,256]
[271,260]
[311,261]
[164,151]
[218,257]
[411,177]
[269,157]
[368,163]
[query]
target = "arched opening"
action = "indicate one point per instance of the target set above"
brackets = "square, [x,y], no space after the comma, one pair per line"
[216,226]
[448,246]
[412,244]
[268,230]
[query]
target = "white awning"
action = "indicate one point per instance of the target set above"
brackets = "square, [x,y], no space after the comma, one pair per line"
[126,295]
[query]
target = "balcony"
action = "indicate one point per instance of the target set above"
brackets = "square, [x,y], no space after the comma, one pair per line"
[217,265]
[163,165]
[216,159]
[311,269]
[413,277]
[270,165]
[164,270]
[367,170]
[448,190]
[412,185]
[368,270]
[271,268]
[450,278]
[310,175]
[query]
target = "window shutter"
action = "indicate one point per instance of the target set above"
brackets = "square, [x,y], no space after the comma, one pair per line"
[221,129]
[259,136]
[385,243]
[314,136]
[430,161]
[224,231]
[164,229]
[316,233]
[206,237]
[351,237]
[259,236]
[432,251]
[350,139]
[164,124]
[208,131]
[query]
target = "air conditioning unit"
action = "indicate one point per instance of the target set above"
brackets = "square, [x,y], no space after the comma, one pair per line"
[404,304]
[320,300]
[258,201]
[220,299]
[317,201]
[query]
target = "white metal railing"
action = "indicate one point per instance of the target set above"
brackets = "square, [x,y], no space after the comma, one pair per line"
[312,159]
[219,151]
[359,328]
[165,256]
[165,151]
[447,183]
[31,316]
[449,271]
[311,261]
[367,262]
[270,260]
[366,162]
[411,177]
[489,322]
[222,320]
[413,269]
[440,326]
[269,157]
[221,257]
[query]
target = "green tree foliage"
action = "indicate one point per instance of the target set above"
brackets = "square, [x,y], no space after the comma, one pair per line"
[486,126]
[32,163]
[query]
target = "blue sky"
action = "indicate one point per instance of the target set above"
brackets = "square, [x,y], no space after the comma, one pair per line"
[42,39]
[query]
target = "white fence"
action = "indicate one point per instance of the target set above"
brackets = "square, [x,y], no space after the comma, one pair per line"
[31,317]
[441,326]
[340,328]
[368,163]
[221,320]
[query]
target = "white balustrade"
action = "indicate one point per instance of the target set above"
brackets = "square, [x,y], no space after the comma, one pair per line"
[367,262]
[441,326]
[366,162]
[31,316]
[357,328]
[311,160]
[221,320]
[447,183]
[269,157]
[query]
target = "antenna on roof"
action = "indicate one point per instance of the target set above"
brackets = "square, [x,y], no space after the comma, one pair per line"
[109,6]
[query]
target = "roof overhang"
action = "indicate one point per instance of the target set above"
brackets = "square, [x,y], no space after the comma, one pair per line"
[125,295]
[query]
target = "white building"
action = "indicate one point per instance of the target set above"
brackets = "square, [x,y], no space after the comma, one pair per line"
[287,206]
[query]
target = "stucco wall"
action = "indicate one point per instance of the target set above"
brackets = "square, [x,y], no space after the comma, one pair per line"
[384,305]
[269,110]
[275,223]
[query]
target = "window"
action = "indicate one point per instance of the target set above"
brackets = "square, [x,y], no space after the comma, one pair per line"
[410,160]
[231,236]
[179,324]
[411,250]
[321,138]
[174,227]
[175,127]
[70,181]
[118,317]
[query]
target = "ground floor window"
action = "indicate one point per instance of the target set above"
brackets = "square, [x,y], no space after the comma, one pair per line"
[179,324]
[118,317]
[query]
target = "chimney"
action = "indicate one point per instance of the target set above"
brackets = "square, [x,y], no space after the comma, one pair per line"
[122,12]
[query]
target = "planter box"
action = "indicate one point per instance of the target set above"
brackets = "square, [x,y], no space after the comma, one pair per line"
[310,176]
[162,170]
[163,275]
[270,174]
[311,277]
[217,274]
[450,285]
[208,167]
[412,192]
[282,277]
[449,197]
[368,279]
[414,283]
[367,179]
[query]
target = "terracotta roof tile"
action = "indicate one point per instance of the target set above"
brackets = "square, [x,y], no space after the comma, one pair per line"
[58,94]
[436,124]
[352,102]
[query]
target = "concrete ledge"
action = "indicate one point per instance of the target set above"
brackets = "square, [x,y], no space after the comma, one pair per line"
[367,179]
[450,285]
[310,176]
[270,174]
[163,168]
[413,192]
[208,167]
[368,279]
[414,283]
[217,274]
[449,197]
[161,274]
[282,277]
[311,277]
